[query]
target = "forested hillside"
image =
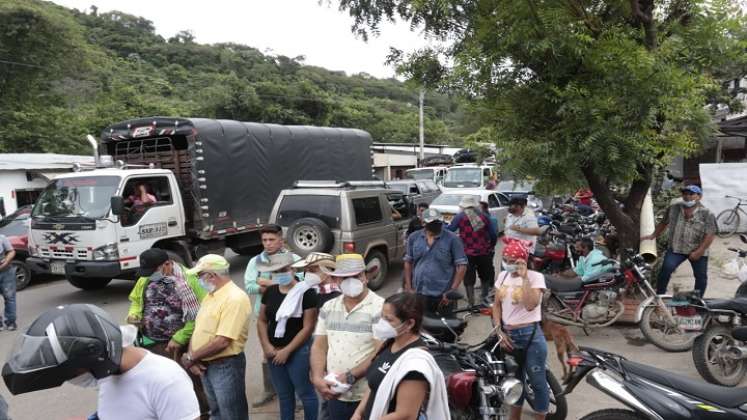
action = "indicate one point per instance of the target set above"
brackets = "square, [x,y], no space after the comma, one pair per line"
[65,73]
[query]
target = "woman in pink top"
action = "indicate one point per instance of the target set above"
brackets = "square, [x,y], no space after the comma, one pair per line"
[517,308]
[141,196]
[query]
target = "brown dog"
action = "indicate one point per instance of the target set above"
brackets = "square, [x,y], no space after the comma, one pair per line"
[564,343]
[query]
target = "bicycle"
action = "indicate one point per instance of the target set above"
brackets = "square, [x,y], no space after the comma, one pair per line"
[727,222]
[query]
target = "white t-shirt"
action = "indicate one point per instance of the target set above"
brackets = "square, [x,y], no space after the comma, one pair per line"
[526,220]
[157,388]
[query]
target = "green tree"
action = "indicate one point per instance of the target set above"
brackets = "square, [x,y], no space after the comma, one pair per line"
[596,92]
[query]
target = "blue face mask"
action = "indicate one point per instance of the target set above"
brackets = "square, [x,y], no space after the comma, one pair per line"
[283,279]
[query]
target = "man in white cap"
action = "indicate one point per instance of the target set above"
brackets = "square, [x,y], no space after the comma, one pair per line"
[343,341]
[478,238]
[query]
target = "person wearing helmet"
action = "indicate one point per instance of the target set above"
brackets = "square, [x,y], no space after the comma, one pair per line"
[216,350]
[81,345]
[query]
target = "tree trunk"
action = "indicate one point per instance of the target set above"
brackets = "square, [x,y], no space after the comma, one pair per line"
[625,220]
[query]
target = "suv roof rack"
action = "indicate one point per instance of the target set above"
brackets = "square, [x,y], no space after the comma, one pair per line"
[339,184]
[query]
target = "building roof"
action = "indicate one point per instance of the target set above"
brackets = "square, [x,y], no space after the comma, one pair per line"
[40,161]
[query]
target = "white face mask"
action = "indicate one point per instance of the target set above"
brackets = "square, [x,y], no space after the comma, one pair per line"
[383,330]
[351,287]
[209,287]
[689,203]
[510,268]
[312,279]
[86,380]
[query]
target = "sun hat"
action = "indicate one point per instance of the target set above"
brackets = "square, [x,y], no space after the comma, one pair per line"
[347,265]
[275,262]
[209,263]
[692,188]
[431,215]
[320,259]
[469,201]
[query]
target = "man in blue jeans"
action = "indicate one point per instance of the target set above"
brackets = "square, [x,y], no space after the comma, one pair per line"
[8,283]
[691,228]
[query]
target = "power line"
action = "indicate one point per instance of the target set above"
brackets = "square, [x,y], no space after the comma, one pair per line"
[16,63]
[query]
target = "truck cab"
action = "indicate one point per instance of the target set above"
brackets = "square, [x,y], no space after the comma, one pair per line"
[468,176]
[78,233]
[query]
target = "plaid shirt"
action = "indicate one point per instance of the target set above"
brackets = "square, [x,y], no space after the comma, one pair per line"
[686,235]
[476,242]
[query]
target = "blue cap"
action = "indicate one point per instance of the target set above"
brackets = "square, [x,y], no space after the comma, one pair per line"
[693,189]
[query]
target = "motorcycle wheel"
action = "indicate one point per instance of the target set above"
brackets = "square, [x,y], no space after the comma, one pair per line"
[711,365]
[558,405]
[613,414]
[653,326]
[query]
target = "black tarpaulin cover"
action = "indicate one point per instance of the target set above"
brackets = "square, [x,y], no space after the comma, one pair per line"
[246,165]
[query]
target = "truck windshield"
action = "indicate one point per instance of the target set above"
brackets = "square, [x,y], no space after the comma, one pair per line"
[420,174]
[85,196]
[463,178]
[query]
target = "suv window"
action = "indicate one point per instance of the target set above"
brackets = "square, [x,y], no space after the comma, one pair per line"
[323,207]
[431,185]
[502,199]
[397,201]
[493,201]
[367,210]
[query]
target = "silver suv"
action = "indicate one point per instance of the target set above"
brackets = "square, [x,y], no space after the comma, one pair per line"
[345,217]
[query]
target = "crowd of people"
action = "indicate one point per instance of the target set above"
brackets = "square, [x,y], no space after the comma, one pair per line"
[327,341]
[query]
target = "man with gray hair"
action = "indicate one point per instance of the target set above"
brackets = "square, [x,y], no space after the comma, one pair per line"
[216,350]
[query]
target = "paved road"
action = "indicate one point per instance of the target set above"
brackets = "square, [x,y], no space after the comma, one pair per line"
[67,401]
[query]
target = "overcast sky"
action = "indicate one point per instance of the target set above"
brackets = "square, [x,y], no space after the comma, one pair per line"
[321,33]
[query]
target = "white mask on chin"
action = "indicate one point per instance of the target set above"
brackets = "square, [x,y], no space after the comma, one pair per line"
[351,287]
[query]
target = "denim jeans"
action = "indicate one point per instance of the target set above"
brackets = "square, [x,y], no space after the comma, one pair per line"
[672,261]
[293,378]
[225,388]
[8,289]
[533,370]
[341,410]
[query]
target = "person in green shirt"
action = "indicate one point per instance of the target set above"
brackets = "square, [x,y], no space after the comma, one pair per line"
[588,266]
[164,305]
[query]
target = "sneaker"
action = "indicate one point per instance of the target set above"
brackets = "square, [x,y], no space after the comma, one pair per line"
[11,327]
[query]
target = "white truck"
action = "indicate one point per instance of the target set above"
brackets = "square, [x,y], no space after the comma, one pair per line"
[208,185]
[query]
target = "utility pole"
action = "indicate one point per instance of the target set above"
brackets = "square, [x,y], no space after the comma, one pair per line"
[422,129]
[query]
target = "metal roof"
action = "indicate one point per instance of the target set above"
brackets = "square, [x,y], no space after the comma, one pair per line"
[40,161]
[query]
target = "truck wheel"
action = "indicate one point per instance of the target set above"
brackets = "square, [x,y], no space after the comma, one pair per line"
[23,274]
[88,283]
[378,280]
[309,235]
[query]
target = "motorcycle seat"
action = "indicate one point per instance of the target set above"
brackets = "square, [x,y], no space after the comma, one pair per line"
[719,395]
[602,277]
[436,327]
[564,284]
[737,304]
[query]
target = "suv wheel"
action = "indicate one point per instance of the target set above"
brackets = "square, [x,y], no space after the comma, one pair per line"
[376,282]
[309,235]
[23,274]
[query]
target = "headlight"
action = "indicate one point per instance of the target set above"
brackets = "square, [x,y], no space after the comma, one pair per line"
[106,252]
[511,390]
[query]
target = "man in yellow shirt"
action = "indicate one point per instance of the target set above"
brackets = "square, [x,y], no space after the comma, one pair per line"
[216,350]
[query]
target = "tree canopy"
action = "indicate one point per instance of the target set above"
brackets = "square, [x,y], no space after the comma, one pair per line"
[66,73]
[596,92]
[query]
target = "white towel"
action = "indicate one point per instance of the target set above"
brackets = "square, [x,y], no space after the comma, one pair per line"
[414,360]
[292,305]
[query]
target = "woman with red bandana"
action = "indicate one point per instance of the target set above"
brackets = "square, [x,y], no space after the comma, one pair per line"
[517,310]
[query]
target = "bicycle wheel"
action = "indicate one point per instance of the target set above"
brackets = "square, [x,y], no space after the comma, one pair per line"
[727,222]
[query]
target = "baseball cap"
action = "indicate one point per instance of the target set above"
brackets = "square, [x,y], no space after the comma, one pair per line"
[431,215]
[150,260]
[693,189]
[209,263]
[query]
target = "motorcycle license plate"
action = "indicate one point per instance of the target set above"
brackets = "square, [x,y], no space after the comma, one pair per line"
[57,267]
[690,323]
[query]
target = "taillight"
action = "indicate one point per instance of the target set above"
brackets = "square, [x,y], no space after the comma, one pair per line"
[348,247]
[685,311]
[486,311]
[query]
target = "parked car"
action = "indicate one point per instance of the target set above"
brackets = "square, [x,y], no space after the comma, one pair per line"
[350,217]
[420,191]
[16,227]
[448,203]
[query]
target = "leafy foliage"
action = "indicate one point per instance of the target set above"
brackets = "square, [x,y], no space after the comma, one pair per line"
[65,73]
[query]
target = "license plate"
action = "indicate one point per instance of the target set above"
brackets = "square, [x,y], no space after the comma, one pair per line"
[57,267]
[690,323]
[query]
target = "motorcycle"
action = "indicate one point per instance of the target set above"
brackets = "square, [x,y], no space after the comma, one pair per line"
[598,302]
[652,393]
[481,378]
[719,353]
[741,253]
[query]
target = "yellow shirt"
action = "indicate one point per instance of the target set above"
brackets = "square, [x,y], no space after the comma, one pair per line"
[225,313]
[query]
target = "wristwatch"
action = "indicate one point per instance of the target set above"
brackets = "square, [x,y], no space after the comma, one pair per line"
[349,378]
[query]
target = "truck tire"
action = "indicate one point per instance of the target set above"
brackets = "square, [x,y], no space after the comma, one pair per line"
[88,283]
[309,235]
[378,280]
[23,274]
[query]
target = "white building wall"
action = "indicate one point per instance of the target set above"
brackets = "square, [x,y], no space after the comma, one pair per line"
[16,180]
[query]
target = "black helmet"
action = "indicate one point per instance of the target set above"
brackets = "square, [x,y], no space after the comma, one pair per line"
[61,344]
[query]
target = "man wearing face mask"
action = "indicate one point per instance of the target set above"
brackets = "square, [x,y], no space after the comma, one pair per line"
[435,262]
[691,228]
[344,344]
[216,350]
[521,223]
[164,304]
[81,345]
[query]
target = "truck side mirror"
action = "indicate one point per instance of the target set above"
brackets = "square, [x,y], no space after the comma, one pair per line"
[117,204]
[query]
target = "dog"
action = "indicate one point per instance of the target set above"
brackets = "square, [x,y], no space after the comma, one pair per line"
[564,344]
